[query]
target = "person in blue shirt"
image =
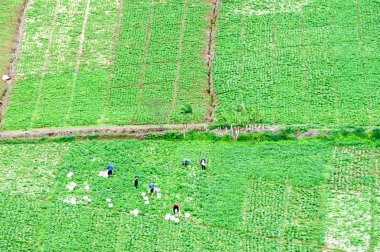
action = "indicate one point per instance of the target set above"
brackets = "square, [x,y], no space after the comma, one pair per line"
[151,187]
[109,169]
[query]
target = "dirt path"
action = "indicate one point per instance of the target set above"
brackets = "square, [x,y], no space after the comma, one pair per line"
[115,39]
[82,38]
[58,5]
[178,69]
[209,57]
[105,130]
[143,64]
[4,96]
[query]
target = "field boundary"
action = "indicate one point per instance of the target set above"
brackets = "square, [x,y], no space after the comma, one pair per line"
[46,61]
[58,4]
[110,131]
[12,66]
[82,37]
[115,40]
[178,68]
[79,56]
[209,57]
[143,63]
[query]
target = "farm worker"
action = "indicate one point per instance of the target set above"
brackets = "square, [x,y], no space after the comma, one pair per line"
[136,182]
[151,187]
[203,164]
[176,208]
[109,169]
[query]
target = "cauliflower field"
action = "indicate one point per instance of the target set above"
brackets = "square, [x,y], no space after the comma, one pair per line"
[298,61]
[290,196]
[109,62]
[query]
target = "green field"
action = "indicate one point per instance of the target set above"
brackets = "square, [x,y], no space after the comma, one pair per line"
[298,62]
[107,62]
[9,12]
[292,62]
[300,67]
[288,196]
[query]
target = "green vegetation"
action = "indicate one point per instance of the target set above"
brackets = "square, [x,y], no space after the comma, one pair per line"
[299,62]
[9,12]
[84,64]
[253,196]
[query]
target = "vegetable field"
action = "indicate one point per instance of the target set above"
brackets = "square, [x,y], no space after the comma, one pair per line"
[289,196]
[9,11]
[298,62]
[109,62]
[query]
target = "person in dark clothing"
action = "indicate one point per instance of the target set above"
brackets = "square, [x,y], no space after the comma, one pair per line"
[136,182]
[203,164]
[176,209]
[151,187]
[109,169]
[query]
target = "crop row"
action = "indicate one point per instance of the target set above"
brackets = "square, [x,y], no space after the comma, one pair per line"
[88,63]
[315,66]
[353,216]
[247,199]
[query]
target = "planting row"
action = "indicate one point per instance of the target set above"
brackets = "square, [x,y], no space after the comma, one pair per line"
[298,62]
[285,195]
[110,62]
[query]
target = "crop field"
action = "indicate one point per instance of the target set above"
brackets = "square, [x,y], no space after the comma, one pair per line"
[110,62]
[298,62]
[288,196]
[9,11]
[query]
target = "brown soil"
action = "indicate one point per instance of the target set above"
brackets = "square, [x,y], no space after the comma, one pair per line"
[209,57]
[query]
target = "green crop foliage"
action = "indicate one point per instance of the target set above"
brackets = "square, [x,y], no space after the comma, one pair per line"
[9,11]
[252,197]
[126,73]
[299,62]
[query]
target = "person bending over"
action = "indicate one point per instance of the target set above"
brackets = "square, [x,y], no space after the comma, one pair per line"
[109,169]
[176,209]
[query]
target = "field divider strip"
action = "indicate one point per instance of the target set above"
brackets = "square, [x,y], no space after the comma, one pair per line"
[178,68]
[274,61]
[303,67]
[4,95]
[210,52]
[361,51]
[143,64]
[115,40]
[374,241]
[58,5]
[40,82]
[286,212]
[79,55]
[240,68]
[333,74]
[82,37]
